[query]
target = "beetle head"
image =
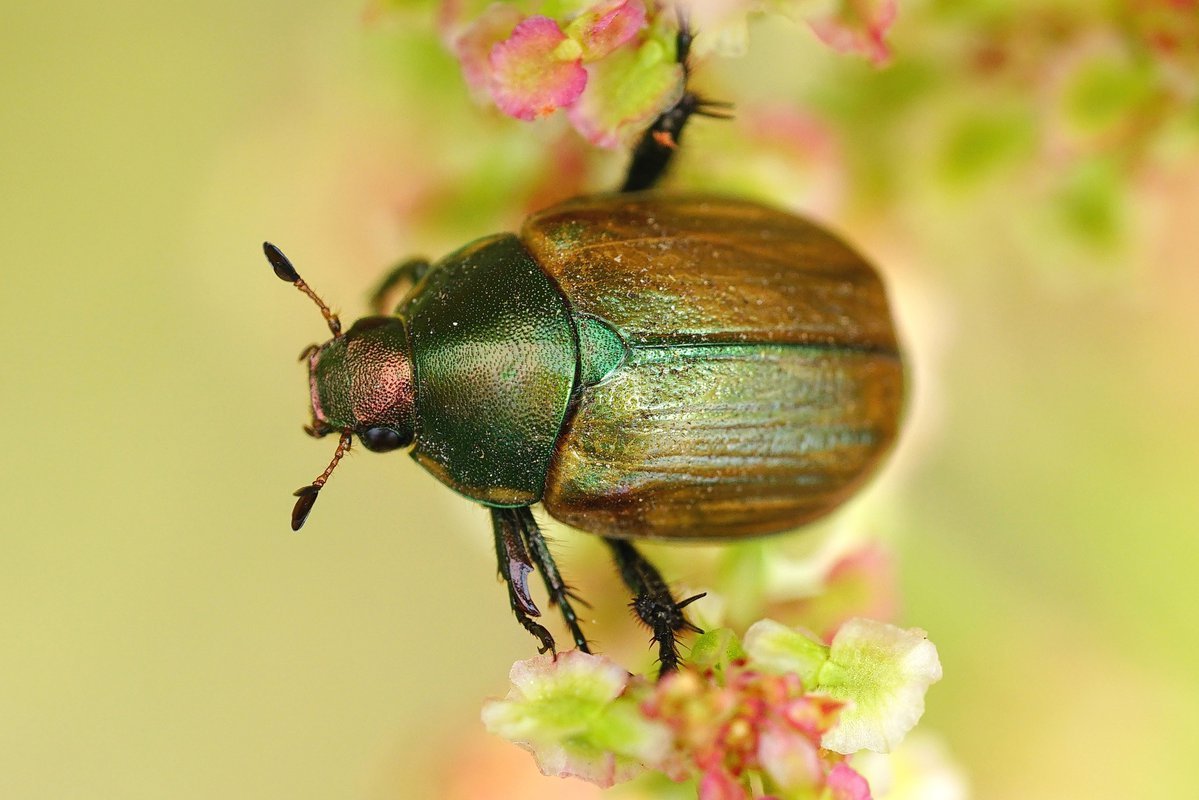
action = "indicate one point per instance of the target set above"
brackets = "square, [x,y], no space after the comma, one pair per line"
[359,383]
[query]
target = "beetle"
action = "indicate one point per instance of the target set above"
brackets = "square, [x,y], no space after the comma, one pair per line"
[644,366]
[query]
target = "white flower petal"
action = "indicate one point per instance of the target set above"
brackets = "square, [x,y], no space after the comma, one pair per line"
[778,648]
[882,672]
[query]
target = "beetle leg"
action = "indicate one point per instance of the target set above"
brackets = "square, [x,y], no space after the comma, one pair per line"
[659,142]
[514,567]
[411,271]
[653,603]
[559,592]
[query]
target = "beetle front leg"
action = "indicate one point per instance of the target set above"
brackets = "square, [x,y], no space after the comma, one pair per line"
[560,593]
[653,603]
[411,271]
[514,567]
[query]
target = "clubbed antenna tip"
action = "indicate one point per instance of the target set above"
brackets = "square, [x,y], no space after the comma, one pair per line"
[283,266]
[307,494]
[287,273]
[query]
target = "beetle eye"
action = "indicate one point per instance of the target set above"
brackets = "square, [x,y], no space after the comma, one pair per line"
[381,440]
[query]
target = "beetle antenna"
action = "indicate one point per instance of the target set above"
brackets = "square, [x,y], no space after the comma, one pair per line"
[307,494]
[287,273]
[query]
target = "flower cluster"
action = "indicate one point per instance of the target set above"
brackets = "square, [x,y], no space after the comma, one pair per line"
[612,64]
[781,713]
[738,723]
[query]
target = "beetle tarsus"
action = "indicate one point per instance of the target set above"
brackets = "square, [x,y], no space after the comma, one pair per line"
[653,603]
[559,592]
[410,271]
[658,144]
[545,640]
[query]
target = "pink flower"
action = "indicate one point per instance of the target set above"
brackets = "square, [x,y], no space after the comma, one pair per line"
[625,92]
[606,26]
[846,784]
[536,70]
[717,784]
[731,722]
[611,63]
[784,712]
[857,26]
[791,758]
[472,46]
[607,65]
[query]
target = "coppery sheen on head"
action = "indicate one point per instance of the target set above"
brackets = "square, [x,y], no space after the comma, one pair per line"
[362,381]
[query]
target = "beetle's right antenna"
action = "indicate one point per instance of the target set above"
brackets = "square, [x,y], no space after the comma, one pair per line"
[287,272]
[307,494]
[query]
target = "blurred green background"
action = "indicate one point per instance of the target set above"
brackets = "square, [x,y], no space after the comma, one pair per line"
[165,634]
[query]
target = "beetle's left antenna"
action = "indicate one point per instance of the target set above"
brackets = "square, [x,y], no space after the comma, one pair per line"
[307,494]
[286,272]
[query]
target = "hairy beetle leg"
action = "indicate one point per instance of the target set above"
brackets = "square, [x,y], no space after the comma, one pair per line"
[653,603]
[560,593]
[514,567]
[659,142]
[410,271]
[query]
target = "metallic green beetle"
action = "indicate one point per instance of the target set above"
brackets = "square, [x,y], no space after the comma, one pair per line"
[642,365]
[645,366]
